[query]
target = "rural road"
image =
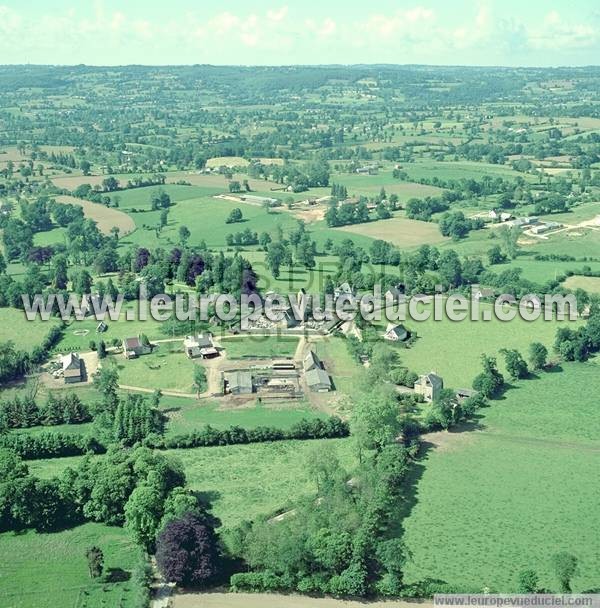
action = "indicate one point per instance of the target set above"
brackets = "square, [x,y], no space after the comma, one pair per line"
[273,600]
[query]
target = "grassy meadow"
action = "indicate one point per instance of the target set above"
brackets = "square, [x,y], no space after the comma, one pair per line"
[488,504]
[64,580]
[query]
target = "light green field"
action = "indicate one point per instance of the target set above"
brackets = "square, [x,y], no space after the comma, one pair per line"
[370,185]
[64,580]
[459,169]
[454,349]
[259,346]
[166,368]
[400,231]
[244,481]
[118,330]
[492,503]
[590,284]
[187,415]
[25,334]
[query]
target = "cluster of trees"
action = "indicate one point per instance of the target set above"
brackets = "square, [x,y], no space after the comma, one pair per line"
[346,213]
[295,247]
[135,420]
[454,224]
[23,412]
[424,208]
[235,216]
[244,238]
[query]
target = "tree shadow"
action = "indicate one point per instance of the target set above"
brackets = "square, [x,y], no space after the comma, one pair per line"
[116,575]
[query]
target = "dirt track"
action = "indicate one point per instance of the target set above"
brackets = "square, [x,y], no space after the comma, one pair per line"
[268,600]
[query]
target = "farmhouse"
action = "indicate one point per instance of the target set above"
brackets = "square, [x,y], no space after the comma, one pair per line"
[200,346]
[72,367]
[318,380]
[311,361]
[395,333]
[429,385]
[501,216]
[394,294]
[482,292]
[239,383]
[134,347]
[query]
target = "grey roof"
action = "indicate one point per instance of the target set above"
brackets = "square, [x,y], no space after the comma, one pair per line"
[316,378]
[398,330]
[394,291]
[433,379]
[311,361]
[205,340]
[239,380]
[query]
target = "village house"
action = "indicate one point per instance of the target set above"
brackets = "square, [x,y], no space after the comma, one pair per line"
[311,361]
[135,347]
[72,367]
[200,346]
[395,294]
[501,216]
[396,333]
[482,292]
[239,383]
[318,380]
[430,386]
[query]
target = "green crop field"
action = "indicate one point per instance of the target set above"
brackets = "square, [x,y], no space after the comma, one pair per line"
[245,481]
[64,580]
[491,503]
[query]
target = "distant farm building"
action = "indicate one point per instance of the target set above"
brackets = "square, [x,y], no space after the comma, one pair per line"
[318,380]
[239,383]
[72,367]
[135,347]
[200,346]
[430,386]
[394,294]
[396,333]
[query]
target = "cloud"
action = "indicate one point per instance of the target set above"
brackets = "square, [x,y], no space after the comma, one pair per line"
[277,16]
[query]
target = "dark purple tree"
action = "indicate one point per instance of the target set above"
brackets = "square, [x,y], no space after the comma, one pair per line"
[186,551]
[195,269]
[174,259]
[142,259]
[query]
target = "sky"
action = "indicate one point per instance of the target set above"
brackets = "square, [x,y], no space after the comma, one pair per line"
[268,32]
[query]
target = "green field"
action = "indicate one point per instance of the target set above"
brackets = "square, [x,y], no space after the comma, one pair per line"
[402,232]
[454,349]
[166,368]
[187,415]
[64,580]
[25,334]
[259,346]
[492,503]
[590,284]
[245,481]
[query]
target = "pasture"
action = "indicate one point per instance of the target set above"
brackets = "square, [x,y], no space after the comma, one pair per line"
[400,231]
[25,334]
[370,185]
[106,217]
[589,284]
[259,346]
[454,349]
[245,481]
[488,504]
[166,368]
[64,580]
[187,415]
